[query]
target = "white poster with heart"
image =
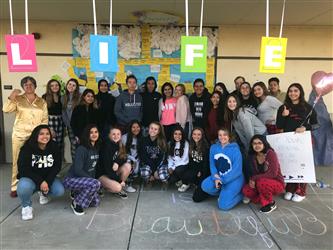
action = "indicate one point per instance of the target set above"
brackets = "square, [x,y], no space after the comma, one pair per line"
[295,154]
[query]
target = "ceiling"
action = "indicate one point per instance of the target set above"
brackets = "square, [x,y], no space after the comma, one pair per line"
[216,12]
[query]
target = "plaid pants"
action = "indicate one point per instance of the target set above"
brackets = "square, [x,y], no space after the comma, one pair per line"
[56,124]
[85,190]
[72,140]
[162,170]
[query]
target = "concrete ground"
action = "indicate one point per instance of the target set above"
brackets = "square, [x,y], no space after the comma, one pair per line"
[156,219]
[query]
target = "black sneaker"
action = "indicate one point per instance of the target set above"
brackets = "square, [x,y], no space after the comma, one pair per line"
[122,194]
[71,195]
[268,208]
[77,209]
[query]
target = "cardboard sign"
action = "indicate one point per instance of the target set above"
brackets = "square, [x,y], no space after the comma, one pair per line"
[193,54]
[21,53]
[294,151]
[273,55]
[104,53]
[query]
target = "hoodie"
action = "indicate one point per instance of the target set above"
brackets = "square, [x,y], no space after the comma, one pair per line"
[150,153]
[226,162]
[105,102]
[150,107]
[39,165]
[199,107]
[176,160]
[128,107]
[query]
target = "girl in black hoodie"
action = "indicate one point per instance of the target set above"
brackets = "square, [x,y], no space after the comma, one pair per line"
[38,164]
[114,169]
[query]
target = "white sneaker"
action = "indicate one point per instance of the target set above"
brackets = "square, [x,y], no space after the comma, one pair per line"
[288,196]
[297,198]
[246,200]
[27,213]
[130,189]
[43,199]
[179,183]
[183,188]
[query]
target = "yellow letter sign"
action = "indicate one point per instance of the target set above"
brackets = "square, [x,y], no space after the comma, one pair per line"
[273,55]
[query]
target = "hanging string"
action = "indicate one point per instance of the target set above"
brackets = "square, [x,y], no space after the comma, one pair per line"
[11,18]
[201,16]
[186,14]
[95,23]
[110,17]
[26,18]
[267,18]
[282,18]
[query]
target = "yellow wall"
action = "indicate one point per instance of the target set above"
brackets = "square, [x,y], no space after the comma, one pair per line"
[243,40]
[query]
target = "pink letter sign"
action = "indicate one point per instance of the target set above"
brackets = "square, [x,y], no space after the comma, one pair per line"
[21,53]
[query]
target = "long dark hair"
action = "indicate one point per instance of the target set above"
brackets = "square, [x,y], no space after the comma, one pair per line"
[130,135]
[263,139]
[302,101]
[100,82]
[85,137]
[263,86]
[224,88]
[32,142]
[173,142]
[86,92]
[49,98]
[220,108]
[229,115]
[149,78]
[162,90]
[76,94]
[202,145]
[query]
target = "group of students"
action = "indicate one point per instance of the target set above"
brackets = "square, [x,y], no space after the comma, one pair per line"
[116,139]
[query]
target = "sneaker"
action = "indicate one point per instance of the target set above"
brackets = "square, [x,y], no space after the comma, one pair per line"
[183,188]
[179,183]
[122,194]
[297,198]
[27,213]
[43,199]
[246,200]
[71,195]
[13,194]
[268,208]
[130,189]
[288,196]
[77,209]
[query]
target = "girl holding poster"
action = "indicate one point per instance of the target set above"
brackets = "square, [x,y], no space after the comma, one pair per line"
[296,115]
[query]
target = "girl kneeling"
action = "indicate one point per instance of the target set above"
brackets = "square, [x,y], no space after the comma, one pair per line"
[38,164]
[226,180]
[114,168]
[266,179]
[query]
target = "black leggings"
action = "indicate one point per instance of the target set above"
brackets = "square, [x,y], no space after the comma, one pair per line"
[177,174]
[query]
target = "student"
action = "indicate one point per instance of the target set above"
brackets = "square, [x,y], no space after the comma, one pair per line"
[226,180]
[293,116]
[199,103]
[152,155]
[30,111]
[85,113]
[39,162]
[131,140]
[150,101]
[178,155]
[114,169]
[183,112]
[215,117]
[268,106]
[247,98]
[81,176]
[220,87]
[105,104]
[128,105]
[69,101]
[238,81]
[167,110]
[274,89]
[246,124]
[54,108]
[197,169]
[266,179]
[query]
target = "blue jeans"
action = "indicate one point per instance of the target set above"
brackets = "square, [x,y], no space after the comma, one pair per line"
[26,188]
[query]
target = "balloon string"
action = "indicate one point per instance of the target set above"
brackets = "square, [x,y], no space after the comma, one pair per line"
[201,16]
[11,18]
[26,18]
[282,18]
[94,11]
[110,17]
[310,113]
[186,14]
[267,18]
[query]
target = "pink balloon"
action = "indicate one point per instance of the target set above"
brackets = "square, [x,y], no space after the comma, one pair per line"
[322,82]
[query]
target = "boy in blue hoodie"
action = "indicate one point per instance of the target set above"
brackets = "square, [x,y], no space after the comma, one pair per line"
[226,180]
[128,104]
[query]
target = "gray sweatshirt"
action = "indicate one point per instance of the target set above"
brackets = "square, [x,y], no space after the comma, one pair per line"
[128,107]
[247,125]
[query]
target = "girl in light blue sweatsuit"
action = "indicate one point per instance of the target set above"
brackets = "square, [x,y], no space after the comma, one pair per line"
[226,179]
